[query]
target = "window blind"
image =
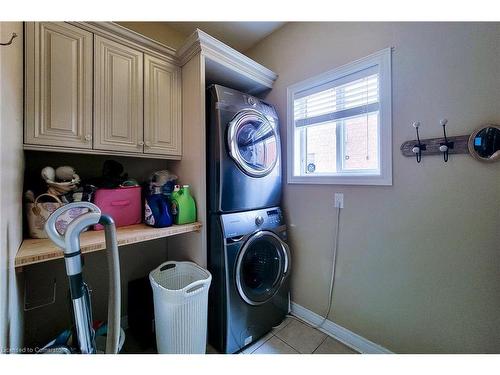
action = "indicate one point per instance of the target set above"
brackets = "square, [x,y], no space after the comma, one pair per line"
[346,97]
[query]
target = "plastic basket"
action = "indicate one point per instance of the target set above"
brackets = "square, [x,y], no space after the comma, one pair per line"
[180,294]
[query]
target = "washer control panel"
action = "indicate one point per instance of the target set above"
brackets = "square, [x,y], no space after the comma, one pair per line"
[243,223]
[274,217]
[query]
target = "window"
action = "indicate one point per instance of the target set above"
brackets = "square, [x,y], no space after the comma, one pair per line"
[339,125]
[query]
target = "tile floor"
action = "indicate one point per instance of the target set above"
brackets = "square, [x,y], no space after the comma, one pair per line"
[290,337]
[295,337]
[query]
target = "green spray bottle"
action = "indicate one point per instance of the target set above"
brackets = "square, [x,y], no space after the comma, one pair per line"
[183,205]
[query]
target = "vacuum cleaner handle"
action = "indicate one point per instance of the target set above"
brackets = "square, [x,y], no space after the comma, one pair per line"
[70,243]
[50,225]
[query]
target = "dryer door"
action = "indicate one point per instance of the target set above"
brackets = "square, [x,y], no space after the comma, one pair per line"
[262,264]
[253,142]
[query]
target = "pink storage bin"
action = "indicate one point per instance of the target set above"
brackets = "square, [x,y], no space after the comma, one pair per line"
[122,204]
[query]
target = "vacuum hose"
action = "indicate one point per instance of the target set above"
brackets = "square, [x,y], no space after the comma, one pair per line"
[114,295]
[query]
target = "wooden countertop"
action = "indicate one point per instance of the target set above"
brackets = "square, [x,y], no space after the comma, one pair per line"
[42,250]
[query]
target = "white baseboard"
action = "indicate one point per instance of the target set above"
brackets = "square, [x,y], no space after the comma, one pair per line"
[339,333]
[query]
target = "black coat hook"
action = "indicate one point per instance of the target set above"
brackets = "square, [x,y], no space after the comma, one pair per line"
[419,147]
[445,146]
[10,41]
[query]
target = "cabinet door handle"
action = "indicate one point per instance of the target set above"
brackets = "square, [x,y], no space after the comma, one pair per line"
[88,137]
[140,144]
[148,144]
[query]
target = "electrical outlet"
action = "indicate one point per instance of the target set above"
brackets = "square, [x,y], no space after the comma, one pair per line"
[339,200]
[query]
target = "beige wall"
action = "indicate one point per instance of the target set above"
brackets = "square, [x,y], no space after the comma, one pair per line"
[11,174]
[158,31]
[418,263]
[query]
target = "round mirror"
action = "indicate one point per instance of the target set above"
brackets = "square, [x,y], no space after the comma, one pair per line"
[484,143]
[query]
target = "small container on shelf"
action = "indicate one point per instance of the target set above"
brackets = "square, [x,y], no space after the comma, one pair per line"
[183,205]
[157,209]
[123,204]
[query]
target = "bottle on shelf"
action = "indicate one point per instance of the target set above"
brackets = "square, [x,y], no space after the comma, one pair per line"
[183,205]
[157,209]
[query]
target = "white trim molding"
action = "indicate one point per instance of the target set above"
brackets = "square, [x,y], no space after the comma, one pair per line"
[253,77]
[214,50]
[381,61]
[339,333]
[129,37]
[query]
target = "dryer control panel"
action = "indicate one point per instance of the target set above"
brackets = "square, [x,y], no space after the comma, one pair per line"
[231,99]
[243,223]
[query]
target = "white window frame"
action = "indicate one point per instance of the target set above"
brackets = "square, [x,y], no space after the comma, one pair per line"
[381,60]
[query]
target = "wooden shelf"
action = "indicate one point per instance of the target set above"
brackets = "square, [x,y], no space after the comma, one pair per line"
[42,250]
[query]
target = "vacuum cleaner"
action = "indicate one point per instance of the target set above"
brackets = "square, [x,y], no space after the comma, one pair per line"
[80,294]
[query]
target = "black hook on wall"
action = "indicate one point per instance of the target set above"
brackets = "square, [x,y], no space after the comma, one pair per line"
[14,35]
[445,146]
[419,147]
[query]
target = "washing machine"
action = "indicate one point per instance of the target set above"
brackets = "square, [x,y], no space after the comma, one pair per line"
[250,264]
[243,152]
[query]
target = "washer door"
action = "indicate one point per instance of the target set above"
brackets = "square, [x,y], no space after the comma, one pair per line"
[262,263]
[253,143]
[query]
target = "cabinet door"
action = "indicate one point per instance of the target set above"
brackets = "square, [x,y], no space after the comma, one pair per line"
[118,106]
[162,107]
[58,85]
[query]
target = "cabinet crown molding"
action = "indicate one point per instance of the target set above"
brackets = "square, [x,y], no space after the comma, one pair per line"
[222,54]
[257,77]
[126,36]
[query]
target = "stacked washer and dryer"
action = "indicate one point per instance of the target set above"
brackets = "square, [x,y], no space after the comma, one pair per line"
[247,251]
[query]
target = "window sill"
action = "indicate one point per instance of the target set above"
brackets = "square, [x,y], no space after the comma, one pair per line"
[340,180]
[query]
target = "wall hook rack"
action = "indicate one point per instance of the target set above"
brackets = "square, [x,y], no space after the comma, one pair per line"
[435,146]
[14,35]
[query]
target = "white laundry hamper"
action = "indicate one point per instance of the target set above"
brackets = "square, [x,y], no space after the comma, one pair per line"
[180,293]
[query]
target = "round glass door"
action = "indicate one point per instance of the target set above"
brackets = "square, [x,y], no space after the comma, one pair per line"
[261,265]
[253,143]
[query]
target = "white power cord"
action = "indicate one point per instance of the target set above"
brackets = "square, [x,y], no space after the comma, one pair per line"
[332,280]
[334,267]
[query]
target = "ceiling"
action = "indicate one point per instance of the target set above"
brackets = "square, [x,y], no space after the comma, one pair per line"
[239,35]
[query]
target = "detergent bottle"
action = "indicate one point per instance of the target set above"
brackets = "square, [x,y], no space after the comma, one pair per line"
[157,210]
[184,206]
[173,200]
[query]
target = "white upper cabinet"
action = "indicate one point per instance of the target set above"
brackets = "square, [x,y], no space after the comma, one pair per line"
[98,88]
[162,107]
[58,85]
[118,97]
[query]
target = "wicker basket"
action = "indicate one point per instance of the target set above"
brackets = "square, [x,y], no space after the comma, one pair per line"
[180,292]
